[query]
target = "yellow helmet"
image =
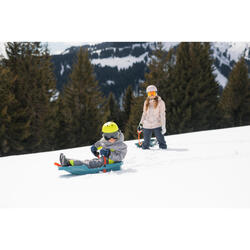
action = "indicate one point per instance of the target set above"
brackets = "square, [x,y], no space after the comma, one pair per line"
[110,127]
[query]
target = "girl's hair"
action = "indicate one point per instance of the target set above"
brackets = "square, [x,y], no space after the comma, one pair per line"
[155,102]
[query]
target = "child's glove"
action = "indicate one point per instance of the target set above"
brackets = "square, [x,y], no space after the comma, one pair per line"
[94,151]
[105,152]
[163,130]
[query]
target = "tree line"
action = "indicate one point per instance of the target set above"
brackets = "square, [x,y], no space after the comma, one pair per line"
[31,120]
[194,102]
[122,77]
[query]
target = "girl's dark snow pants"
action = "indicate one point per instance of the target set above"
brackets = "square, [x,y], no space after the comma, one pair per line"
[147,134]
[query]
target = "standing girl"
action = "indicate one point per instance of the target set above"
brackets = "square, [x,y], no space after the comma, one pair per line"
[153,118]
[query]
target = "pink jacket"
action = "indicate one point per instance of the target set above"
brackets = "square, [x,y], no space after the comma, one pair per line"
[154,117]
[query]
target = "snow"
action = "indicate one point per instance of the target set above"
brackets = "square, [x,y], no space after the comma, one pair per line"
[222,80]
[208,169]
[237,50]
[62,69]
[57,48]
[136,45]
[55,96]
[97,51]
[2,50]
[167,46]
[222,59]
[119,62]
[234,49]
[110,82]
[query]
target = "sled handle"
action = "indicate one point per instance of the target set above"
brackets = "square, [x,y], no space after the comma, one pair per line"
[139,133]
[105,162]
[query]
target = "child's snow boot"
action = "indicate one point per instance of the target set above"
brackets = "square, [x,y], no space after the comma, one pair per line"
[63,160]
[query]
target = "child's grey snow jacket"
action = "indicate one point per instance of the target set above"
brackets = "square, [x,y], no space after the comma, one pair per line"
[118,149]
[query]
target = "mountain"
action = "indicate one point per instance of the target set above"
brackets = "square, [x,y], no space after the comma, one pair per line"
[119,64]
[208,169]
[116,64]
[226,55]
[56,48]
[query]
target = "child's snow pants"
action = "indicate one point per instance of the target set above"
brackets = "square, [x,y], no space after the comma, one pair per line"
[147,134]
[94,163]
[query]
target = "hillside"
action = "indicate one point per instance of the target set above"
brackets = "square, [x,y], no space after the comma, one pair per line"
[119,64]
[208,169]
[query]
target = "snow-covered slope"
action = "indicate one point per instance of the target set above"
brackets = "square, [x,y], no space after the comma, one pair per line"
[2,50]
[232,50]
[56,48]
[119,62]
[202,169]
[221,79]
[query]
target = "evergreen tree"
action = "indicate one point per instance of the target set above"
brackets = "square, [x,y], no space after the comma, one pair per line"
[62,131]
[134,118]
[235,100]
[19,131]
[33,88]
[46,107]
[83,102]
[193,100]
[159,69]
[127,105]
[7,101]
[112,110]
[203,89]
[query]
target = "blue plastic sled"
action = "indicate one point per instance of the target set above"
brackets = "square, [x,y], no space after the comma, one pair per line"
[83,169]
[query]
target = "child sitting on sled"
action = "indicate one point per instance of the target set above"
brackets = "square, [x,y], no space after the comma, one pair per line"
[111,146]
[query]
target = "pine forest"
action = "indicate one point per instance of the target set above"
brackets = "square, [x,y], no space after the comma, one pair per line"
[34,119]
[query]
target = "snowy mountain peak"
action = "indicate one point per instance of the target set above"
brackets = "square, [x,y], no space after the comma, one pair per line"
[234,50]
